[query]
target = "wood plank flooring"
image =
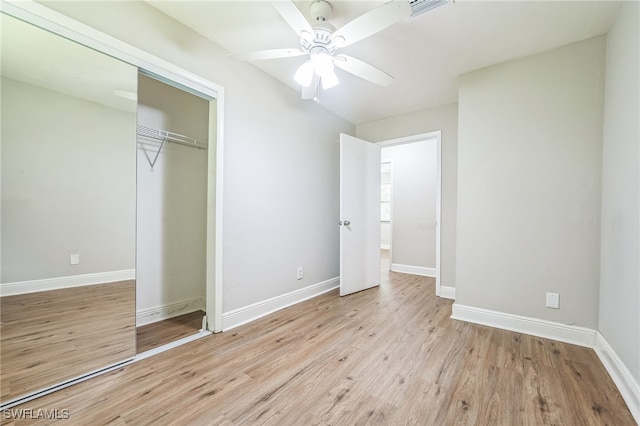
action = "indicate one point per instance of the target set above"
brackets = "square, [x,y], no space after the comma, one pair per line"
[388,356]
[52,336]
[159,333]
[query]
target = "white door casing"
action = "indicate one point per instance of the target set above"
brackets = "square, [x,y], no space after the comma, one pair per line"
[435,137]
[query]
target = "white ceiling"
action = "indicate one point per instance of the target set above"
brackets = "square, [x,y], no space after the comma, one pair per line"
[425,54]
[40,58]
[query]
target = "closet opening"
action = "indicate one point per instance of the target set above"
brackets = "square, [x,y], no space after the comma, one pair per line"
[173,140]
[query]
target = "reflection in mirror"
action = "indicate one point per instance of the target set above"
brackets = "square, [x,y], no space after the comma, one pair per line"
[172,213]
[68,161]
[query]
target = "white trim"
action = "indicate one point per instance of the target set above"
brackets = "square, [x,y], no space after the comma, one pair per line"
[249,313]
[536,327]
[65,384]
[22,287]
[437,136]
[139,357]
[219,172]
[410,139]
[438,210]
[163,312]
[625,382]
[214,220]
[151,352]
[627,385]
[57,23]
[415,270]
[390,245]
[447,292]
[385,246]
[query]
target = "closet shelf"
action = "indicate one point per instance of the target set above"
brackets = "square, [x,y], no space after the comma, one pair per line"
[165,136]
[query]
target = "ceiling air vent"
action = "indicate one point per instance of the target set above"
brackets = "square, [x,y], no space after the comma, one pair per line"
[422,6]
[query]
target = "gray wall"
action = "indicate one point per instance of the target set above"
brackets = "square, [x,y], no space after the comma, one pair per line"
[529,176]
[68,184]
[619,320]
[281,199]
[414,203]
[444,118]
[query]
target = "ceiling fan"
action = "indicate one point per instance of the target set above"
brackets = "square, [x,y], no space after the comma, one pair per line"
[321,42]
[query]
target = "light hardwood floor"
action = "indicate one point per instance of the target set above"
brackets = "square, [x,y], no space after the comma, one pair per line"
[390,356]
[53,336]
[154,335]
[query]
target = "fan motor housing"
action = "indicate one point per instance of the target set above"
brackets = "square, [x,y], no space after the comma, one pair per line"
[321,40]
[320,10]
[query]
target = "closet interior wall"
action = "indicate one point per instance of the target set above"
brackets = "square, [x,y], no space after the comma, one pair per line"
[171,204]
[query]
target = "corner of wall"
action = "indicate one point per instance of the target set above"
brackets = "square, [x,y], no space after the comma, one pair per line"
[627,385]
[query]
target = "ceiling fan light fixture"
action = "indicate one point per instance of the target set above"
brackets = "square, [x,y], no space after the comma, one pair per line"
[304,74]
[329,80]
[323,63]
[322,42]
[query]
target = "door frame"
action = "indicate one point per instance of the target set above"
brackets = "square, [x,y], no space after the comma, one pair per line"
[390,162]
[437,138]
[41,16]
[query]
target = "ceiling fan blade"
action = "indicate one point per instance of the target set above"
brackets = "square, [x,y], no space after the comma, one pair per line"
[293,16]
[268,54]
[363,70]
[372,22]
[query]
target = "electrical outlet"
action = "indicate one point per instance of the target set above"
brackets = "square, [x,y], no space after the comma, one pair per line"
[300,273]
[74,259]
[553,300]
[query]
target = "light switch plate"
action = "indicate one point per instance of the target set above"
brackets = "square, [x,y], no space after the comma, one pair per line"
[74,259]
[553,300]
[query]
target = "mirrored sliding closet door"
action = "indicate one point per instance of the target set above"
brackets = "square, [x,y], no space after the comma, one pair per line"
[68,212]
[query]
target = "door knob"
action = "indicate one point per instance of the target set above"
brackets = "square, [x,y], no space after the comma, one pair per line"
[346,223]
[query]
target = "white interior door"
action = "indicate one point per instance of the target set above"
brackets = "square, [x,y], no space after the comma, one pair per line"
[359,215]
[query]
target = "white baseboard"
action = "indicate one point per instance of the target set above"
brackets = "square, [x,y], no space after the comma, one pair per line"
[159,313]
[627,385]
[536,327]
[414,270]
[246,314]
[447,292]
[22,287]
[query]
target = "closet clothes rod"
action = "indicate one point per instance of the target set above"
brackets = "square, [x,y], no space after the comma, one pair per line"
[165,136]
